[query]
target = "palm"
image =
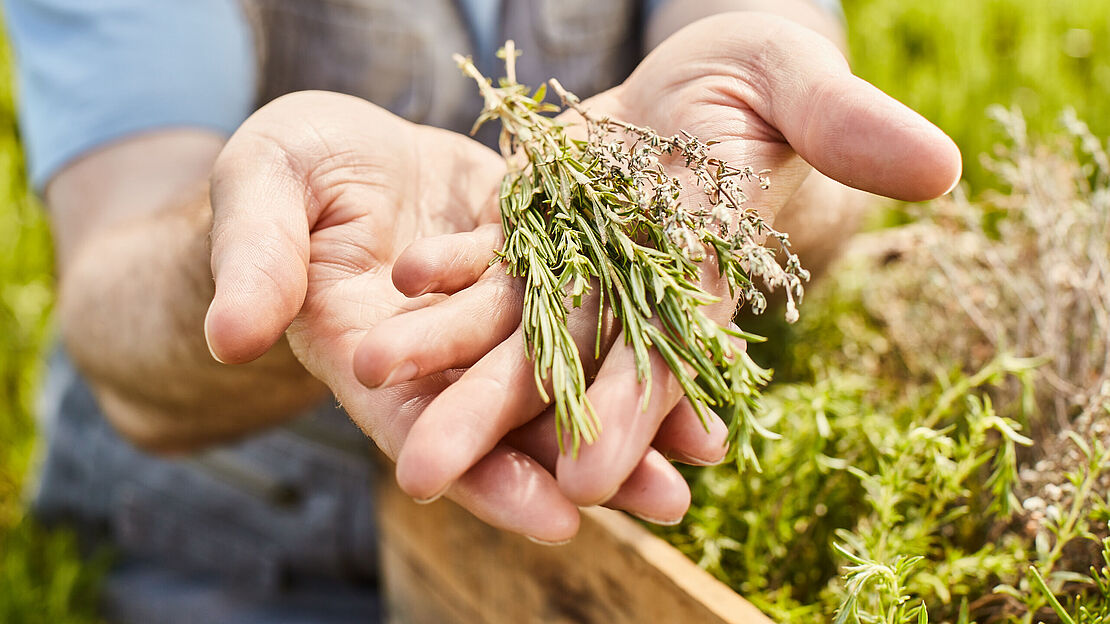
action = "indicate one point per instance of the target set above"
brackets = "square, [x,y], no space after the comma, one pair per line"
[707,99]
[776,96]
[310,224]
[360,219]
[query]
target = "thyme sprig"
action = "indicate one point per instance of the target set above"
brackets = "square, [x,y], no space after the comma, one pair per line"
[604,213]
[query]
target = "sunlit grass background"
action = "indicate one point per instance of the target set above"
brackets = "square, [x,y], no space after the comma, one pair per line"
[948,59]
[951,59]
[42,578]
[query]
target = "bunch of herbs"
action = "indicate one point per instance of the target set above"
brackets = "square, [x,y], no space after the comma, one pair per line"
[606,216]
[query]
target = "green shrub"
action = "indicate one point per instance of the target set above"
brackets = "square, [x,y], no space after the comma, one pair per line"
[947,399]
[43,577]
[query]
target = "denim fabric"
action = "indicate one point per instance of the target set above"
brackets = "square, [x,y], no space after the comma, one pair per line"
[278,525]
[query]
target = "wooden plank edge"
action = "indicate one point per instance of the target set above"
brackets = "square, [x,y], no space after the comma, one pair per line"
[700,585]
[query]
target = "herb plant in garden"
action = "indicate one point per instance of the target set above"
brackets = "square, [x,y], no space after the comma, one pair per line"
[948,401]
[607,215]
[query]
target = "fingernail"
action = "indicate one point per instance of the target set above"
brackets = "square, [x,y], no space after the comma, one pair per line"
[536,540]
[655,521]
[207,340]
[405,371]
[694,461]
[607,497]
[433,498]
[954,184]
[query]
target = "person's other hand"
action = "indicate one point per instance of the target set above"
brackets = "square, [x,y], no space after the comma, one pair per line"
[313,200]
[775,95]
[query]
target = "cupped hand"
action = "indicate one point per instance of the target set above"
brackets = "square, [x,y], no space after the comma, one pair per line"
[314,199]
[775,95]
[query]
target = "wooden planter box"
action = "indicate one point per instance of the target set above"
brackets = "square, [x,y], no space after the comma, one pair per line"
[443,566]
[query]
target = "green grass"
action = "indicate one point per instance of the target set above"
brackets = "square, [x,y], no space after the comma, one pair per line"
[25,300]
[42,577]
[951,59]
[930,456]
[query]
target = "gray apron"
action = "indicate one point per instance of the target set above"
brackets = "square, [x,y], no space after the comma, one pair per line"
[280,527]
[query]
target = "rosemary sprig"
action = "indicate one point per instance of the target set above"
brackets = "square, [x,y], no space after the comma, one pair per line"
[604,213]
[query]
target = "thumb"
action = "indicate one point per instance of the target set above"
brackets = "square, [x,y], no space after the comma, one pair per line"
[799,83]
[260,248]
[845,127]
[854,133]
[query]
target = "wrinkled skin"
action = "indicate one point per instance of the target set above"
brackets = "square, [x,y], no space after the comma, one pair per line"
[363,235]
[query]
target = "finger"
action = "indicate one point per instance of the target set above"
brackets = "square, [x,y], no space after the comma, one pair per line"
[509,490]
[495,396]
[467,419]
[504,488]
[499,394]
[856,134]
[448,263]
[655,491]
[454,333]
[801,84]
[685,438]
[627,425]
[259,248]
[844,126]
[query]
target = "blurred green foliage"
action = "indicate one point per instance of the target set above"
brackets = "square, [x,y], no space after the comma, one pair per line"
[951,59]
[42,576]
[930,465]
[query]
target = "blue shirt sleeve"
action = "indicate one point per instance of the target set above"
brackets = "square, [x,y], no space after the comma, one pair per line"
[92,72]
[832,6]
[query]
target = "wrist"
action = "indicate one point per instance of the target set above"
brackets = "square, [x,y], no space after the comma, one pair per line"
[131,308]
